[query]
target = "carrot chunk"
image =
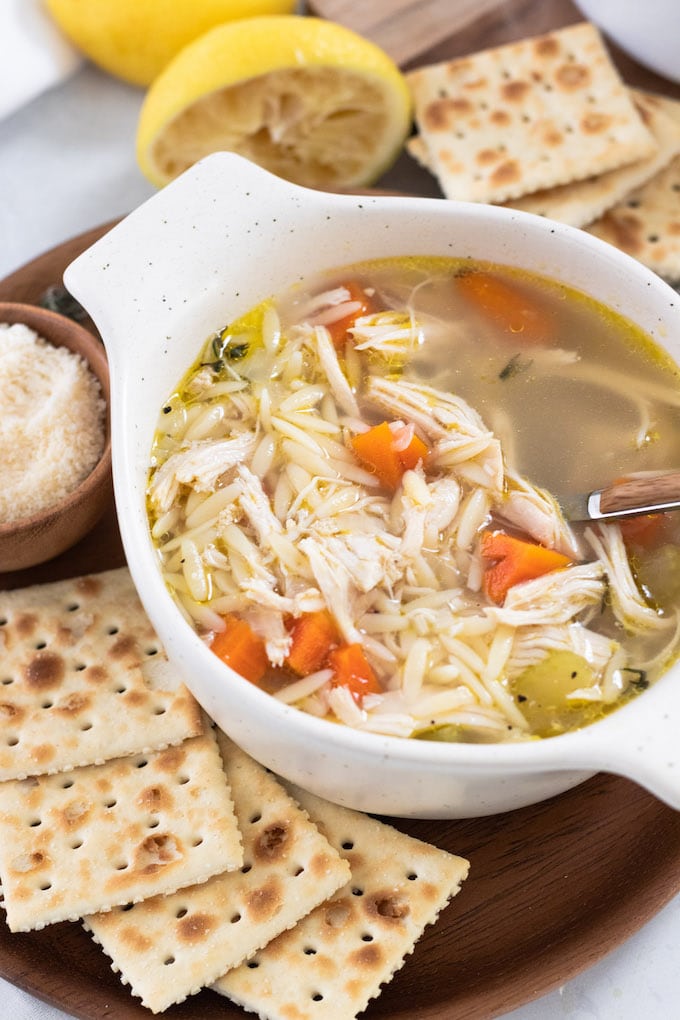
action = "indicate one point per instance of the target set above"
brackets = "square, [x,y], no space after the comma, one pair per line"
[352,670]
[241,648]
[514,560]
[508,306]
[388,450]
[338,329]
[313,636]
[645,530]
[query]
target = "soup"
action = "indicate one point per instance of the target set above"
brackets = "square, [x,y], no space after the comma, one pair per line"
[350,497]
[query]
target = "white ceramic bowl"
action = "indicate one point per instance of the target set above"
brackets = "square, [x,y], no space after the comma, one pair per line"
[212,244]
[649,32]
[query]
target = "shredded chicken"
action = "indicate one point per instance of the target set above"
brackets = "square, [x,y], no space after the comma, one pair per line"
[536,512]
[200,466]
[627,601]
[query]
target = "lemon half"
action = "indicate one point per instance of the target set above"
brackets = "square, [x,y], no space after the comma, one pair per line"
[306,98]
[135,39]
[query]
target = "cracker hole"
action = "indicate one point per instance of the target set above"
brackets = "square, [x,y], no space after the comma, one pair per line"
[121,866]
[297,871]
[652,238]
[348,844]
[309,951]
[169,960]
[12,741]
[197,841]
[317,997]
[253,964]
[634,203]
[80,667]
[110,803]
[153,823]
[411,876]
[367,937]
[235,918]
[44,886]
[72,607]
[246,868]
[182,912]
[151,651]
[143,763]
[255,818]
[47,704]
[39,645]
[112,630]
[159,710]
[3,621]
[8,680]
[85,727]
[121,690]
[67,784]
[35,822]
[183,780]
[356,891]
[126,907]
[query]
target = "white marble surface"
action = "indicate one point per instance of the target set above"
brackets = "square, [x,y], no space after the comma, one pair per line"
[67,164]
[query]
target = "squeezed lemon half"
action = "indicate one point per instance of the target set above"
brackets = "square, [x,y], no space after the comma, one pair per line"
[135,39]
[306,98]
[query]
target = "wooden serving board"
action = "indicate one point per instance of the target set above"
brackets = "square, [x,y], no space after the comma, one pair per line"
[552,888]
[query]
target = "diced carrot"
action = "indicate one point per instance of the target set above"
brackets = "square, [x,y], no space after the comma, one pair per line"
[507,304]
[644,530]
[313,636]
[513,560]
[338,329]
[241,648]
[410,448]
[382,450]
[352,670]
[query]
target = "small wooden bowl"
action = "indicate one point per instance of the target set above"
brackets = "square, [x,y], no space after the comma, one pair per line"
[35,539]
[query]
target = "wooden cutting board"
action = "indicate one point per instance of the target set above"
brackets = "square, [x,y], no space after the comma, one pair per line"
[404,28]
[416,32]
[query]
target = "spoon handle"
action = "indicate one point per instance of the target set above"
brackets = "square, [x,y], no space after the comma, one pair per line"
[646,494]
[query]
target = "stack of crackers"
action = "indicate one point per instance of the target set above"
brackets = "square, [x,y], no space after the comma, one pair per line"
[124,808]
[548,126]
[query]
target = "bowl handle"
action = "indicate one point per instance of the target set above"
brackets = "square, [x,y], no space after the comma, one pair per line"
[640,740]
[138,255]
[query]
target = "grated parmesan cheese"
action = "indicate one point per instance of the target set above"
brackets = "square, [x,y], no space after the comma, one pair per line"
[51,422]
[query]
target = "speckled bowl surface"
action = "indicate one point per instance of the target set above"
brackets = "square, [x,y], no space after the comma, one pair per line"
[208,247]
[38,538]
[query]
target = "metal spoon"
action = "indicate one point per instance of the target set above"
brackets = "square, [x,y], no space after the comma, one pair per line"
[643,494]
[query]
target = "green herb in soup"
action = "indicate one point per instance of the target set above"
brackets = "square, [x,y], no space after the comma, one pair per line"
[350,495]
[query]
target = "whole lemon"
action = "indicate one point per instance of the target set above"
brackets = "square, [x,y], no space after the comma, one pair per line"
[135,39]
